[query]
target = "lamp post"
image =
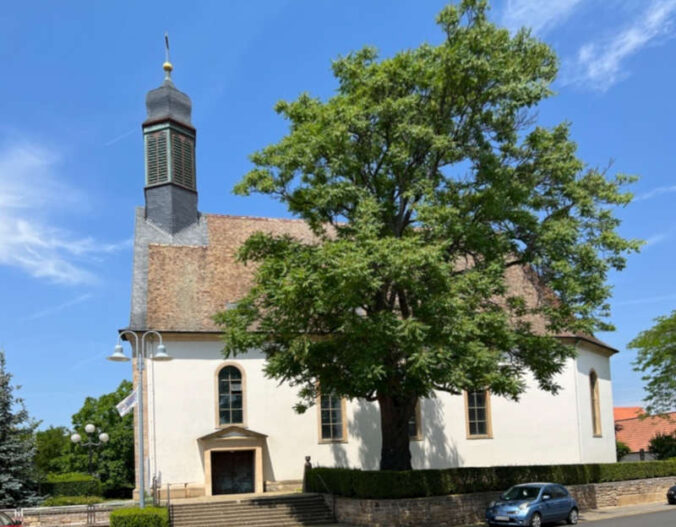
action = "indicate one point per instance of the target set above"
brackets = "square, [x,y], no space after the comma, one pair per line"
[90,443]
[119,356]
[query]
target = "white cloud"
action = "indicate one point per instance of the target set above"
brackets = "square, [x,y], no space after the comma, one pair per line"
[55,309]
[29,194]
[655,192]
[540,15]
[599,64]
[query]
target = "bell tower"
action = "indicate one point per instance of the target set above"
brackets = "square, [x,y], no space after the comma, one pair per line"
[169,140]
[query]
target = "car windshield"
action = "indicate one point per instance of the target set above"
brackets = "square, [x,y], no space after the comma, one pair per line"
[521,493]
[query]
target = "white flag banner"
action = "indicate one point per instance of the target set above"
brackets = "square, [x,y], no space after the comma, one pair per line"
[125,405]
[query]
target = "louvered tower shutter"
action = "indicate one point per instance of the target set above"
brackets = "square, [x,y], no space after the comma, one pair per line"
[182,160]
[157,171]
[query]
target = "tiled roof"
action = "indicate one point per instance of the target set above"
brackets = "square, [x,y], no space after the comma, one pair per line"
[188,284]
[626,412]
[636,433]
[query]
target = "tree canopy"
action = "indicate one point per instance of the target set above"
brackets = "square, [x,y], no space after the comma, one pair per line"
[17,446]
[113,461]
[425,183]
[656,358]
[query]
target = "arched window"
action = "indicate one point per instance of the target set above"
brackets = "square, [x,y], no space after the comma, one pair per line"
[595,402]
[230,396]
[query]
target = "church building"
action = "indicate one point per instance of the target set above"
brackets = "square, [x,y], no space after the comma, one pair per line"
[219,426]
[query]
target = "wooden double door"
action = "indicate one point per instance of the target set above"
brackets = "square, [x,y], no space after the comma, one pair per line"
[232,472]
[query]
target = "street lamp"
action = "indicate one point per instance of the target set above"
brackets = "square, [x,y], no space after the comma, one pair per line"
[90,443]
[119,356]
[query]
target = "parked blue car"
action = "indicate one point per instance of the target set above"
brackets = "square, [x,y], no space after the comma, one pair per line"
[533,504]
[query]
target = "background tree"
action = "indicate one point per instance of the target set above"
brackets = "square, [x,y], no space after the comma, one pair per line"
[663,446]
[621,449]
[656,358]
[52,445]
[17,446]
[114,461]
[425,184]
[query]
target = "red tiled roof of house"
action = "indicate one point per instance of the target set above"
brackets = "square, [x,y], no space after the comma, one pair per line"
[636,433]
[626,412]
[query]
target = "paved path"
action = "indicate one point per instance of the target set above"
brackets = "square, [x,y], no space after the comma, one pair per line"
[610,513]
[665,518]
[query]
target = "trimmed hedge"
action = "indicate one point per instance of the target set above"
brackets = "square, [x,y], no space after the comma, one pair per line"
[420,483]
[59,501]
[134,517]
[72,484]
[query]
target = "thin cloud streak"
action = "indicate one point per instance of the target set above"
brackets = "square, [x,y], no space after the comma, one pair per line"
[539,15]
[647,300]
[56,309]
[119,137]
[655,192]
[29,193]
[599,65]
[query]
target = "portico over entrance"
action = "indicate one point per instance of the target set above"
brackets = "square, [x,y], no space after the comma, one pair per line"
[233,461]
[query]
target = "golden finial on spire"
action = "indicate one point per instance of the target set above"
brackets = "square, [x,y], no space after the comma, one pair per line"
[167,66]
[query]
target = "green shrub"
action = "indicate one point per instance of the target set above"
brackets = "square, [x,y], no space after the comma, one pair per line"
[420,483]
[621,449]
[59,501]
[71,484]
[663,445]
[134,517]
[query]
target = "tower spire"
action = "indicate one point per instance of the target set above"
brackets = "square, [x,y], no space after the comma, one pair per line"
[167,66]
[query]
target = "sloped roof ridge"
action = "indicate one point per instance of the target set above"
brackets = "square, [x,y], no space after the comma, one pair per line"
[258,218]
[178,246]
[647,417]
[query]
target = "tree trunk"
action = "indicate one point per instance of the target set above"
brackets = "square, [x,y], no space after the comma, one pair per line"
[395,413]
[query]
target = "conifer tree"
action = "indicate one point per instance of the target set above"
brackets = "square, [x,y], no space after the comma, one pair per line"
[17,446]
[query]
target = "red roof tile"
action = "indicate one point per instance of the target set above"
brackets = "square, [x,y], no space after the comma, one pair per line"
[626,412]
[636,433]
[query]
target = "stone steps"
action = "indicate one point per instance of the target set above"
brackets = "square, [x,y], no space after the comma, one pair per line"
[280,511]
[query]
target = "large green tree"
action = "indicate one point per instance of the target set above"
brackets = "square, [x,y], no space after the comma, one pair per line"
[52,445]
[656,359]
[114,461]
[425,183]
[17,446]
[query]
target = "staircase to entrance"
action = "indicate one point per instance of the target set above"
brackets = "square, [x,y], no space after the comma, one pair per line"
[289,510]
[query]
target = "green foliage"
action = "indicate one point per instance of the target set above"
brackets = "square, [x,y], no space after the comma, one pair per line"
[17,446]
[133,517]
[114,461]
[656,358]
[72,484]
[426,188]
[419,483]
[60,501]
[663,446]
[621,449]
[51,445]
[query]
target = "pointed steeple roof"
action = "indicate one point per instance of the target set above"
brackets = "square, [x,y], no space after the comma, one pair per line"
[167,102]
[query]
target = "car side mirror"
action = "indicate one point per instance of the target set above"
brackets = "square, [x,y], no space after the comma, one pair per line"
[545,497]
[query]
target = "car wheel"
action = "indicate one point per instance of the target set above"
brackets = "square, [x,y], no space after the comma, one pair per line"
[573,516]
[536,520]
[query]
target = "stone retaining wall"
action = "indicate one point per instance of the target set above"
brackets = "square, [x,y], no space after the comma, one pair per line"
[75,515]
[464,509]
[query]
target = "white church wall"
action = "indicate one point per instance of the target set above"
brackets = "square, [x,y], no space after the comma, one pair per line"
[540,428]
[595,449]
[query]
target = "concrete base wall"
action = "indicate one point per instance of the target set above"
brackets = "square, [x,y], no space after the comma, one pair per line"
[463,509]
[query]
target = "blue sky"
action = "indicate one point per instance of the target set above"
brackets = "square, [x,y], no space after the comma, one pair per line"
[74,78]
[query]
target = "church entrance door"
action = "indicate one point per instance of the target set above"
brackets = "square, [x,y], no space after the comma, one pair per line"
[232,471]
